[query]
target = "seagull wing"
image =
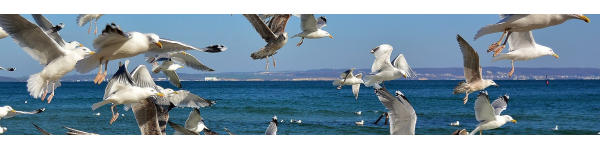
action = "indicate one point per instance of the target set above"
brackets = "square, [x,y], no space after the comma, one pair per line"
[44,132]
[355,90]
[120,79]
[77,132]
[145,115]
[184,98]
[483,108]
[141,77]
[308,23]
[279,22]
[471,61]
[190,61]
[173,78]
[175,46]
[401,64]
[194,119]
[272,129]
[500,104]
[400,117]
[45,24]
[261,27]
[112,34]
[12,114]
[321,22]
[83,19]
[181,129]
[521,41]
[31,38]
[346,74]
[382,59]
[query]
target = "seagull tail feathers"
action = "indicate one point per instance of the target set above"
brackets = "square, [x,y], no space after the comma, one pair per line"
[493,28]
[460,88]
[35,85]
[371,80]
[87,64]
[501,56]
[337,82]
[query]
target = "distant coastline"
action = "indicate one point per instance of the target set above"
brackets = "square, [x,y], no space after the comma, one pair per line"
[496,73]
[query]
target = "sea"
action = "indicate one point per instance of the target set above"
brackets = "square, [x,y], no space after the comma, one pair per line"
[246,108]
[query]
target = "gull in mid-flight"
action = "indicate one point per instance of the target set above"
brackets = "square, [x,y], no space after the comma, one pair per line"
[522,48]
[273,33]
[311,27]
[8,69]
[350,79]
[402,115]
[488,114]
[272,129]
[522,23]
[57,56]
[473,78]
[386,70]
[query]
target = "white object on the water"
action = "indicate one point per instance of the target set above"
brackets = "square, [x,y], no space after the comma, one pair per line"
[361,122]
[122,114]
[97,114]
[3,129]
[281,120]
[455,123]
[386,70]
[296,121]
[25,102]
[555,128]
[358,112]
[401,114]
[489,114]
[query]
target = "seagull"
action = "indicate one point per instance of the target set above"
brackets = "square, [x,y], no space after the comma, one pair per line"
[168,68]
[358,112]
[385,69]
[522,48]
[455,123]
[489,114]
[296,121]
[194,122]
[555,128]
[522,23]
[361,122]
[113,44]
[183,58]
[272,129]
[9,69]
[179,128]
[146,115]
[401,113]
[8,112]
[121,90]
[57,60]
[349,79]
[311,28]
[273,33]
[3,129]
[83,19]
[474,81]
[77,132]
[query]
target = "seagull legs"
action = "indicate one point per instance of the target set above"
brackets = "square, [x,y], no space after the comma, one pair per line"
[52,94]
[99,72]
[300,43]
[494,47]
[45,91]
[512,63]
[89,29]
[466,98]
[114,117]
[267,67]
[96,25]
[100,77]
[273,56]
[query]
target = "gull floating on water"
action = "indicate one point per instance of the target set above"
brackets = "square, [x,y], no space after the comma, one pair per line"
[350,79]
[114,43]
[489,114]
[83,19]
[311,27]
[57,59]
[296,121]
[386,70]
[555,128]
[455,123]
[358,112]
[122,90]
[401,113]
[361,122]
[522,48]
[97,114]
[522,23]
[272,128]
[474,81]
[273,33]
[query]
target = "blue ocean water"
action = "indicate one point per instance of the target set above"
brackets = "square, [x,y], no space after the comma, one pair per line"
[246,108]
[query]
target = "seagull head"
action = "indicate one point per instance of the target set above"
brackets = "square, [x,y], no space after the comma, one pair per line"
[550,52]
[581,17]
[153,38]
[85,51]
[509,118]
[491,82]
[10,109]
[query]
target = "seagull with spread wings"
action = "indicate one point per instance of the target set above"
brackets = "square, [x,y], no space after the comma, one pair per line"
[273,33]
[350,79]
[473,78]
[523,48]
[52,31]
[311,27]
[402,115]
[489,114]
[522,23]
[384,69]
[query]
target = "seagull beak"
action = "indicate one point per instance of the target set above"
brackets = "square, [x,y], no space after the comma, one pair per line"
[160,94]
[91,53]
[514,121]
[181,67]
[404,76]
[175,92]
[158,44]
[555,55]
[330,36]
[183,53]
[497,85]
[584,18]
[80,45]
[14,111]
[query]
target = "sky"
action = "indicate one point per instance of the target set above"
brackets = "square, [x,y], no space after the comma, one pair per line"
[426,40]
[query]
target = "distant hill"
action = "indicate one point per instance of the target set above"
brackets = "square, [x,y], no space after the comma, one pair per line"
[496,73]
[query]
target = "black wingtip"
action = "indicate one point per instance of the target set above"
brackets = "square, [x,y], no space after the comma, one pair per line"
[215,48]
[324,19]
[40,110]
[12,69]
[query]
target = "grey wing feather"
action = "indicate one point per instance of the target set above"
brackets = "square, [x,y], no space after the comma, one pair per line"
[141,77]
[260,27]
[483,108]
[181,129]
[45,24]
[77,132]
[272,128]
[171,46]
[145,112]
[111,34]
[321,22]
[186,99]
[471,61]
[173,78]
[12,114]
[400,63]
[401,119]
[194,119]
[500,104]
[190,61]
[308,23]
[120,78]
[44,132]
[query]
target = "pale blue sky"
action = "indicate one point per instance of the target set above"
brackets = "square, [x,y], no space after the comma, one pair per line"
[426,40]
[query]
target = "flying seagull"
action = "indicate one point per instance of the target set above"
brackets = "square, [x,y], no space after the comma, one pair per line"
[523,48]
[311,28]
[402,115]
[350,79]
[273,33]
[474,81]
[385,70]
[488,114]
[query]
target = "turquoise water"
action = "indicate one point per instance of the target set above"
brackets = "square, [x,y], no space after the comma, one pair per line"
[247,107]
